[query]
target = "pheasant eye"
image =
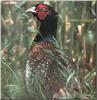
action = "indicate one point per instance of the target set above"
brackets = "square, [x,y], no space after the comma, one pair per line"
[42,9]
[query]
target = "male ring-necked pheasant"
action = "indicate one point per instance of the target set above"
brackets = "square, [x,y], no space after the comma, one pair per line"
[44,56]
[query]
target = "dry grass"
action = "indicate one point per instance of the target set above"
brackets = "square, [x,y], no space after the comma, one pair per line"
[76,34]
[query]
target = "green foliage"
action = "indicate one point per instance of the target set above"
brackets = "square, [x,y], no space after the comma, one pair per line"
[90,37]
[75,33]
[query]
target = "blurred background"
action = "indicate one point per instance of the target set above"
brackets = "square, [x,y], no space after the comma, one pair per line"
[76,33]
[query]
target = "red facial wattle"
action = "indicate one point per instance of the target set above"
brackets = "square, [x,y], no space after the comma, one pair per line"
[42,14]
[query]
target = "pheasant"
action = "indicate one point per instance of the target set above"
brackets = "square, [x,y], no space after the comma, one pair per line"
[42,63]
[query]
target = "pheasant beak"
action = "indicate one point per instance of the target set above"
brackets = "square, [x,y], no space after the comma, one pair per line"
[32,9]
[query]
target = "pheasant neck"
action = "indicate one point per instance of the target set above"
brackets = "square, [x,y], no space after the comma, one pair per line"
[47,29]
